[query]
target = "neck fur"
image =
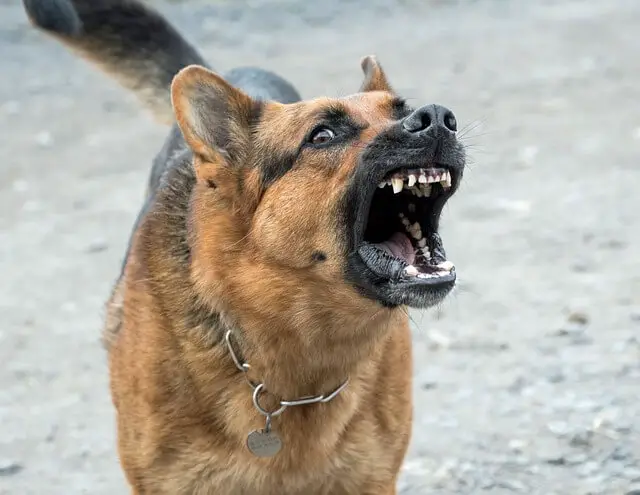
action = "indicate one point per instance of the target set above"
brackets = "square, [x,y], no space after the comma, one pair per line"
[295,362]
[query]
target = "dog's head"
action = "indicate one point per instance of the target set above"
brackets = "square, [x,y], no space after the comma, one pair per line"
[341,195]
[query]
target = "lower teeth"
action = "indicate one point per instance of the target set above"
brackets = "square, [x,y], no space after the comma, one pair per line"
[411,271]
[423,254]
[432,275]
[445,265]
[444,268]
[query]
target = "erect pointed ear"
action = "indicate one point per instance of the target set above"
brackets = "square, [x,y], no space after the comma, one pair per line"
[214,117]
[374,77]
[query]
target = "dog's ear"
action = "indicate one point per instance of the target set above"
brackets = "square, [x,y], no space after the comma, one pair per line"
[374,77]
[214,117]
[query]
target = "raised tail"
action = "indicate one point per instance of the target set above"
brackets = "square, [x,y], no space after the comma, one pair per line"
[130,41]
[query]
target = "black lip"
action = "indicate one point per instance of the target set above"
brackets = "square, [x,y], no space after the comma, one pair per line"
[413,292]
[382,280]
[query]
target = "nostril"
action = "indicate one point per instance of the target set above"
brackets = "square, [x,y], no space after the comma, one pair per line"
[418,121]
[426,120]
[429,119]
[450,121]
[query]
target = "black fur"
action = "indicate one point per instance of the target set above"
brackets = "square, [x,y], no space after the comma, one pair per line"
[388,151]
[57,16]
[262,84]
[279,162]
[138,46]
[124,31]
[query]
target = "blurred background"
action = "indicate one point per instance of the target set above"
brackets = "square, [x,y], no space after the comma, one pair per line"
[527,379]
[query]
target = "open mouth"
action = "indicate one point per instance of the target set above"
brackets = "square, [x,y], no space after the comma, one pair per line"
[401,243]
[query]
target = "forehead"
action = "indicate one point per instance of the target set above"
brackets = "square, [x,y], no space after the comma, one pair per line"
[293,121]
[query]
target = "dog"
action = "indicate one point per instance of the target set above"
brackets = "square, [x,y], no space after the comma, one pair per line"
[257,335]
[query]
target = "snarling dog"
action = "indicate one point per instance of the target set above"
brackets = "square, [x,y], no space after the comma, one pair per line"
[258,336]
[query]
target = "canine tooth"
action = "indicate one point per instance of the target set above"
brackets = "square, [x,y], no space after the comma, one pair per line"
[412,180]
[396,183]
[412,208]
[423,178]
[411,270]
[447,180]
[422,242]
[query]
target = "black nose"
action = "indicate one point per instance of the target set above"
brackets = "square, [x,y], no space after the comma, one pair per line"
[429,119]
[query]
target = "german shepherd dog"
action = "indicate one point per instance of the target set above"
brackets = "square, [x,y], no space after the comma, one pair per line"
[257,335]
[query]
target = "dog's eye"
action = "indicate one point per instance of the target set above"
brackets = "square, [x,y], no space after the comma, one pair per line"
[322,135]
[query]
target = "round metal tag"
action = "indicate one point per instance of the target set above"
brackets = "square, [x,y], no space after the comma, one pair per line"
[262,444]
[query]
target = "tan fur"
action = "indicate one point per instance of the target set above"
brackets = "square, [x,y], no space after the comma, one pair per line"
[184,410]
[219,248]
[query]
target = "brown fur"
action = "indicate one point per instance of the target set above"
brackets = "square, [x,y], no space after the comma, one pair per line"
[184,410]
[217,250]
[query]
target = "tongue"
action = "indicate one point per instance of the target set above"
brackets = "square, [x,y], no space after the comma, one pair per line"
[399,246]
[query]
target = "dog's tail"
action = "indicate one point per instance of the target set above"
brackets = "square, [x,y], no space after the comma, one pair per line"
[128,40]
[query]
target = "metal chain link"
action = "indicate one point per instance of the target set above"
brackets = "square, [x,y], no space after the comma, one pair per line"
[259,388]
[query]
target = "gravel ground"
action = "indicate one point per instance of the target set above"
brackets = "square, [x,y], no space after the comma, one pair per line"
[527,379]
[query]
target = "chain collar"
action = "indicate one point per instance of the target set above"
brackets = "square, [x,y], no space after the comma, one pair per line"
[258,389]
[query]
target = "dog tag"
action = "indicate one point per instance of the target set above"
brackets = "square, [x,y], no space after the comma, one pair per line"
[264,444]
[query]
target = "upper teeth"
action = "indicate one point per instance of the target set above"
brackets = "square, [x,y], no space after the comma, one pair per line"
[424,179]
[396,183]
